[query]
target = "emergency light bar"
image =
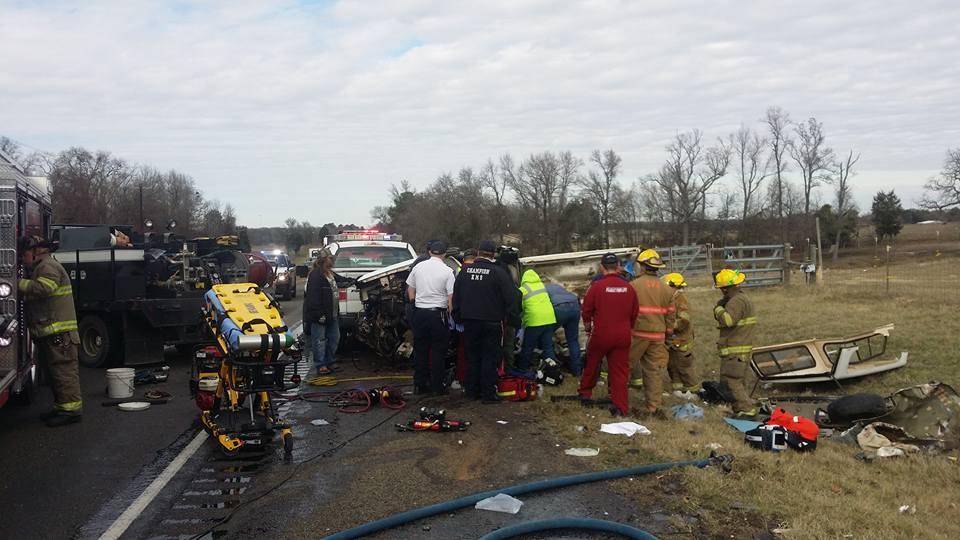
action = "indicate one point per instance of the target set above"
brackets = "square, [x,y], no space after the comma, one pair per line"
[370,234]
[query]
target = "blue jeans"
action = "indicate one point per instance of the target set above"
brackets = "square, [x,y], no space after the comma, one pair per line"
[536,337]
[568,318]
[324,339]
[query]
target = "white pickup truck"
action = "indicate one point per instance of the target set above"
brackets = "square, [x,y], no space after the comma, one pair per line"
[358,253]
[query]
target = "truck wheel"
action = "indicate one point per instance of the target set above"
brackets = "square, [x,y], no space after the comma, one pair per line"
[95,341]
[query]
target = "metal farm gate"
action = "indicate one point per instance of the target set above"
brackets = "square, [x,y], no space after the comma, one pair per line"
[686,259]
[764,265]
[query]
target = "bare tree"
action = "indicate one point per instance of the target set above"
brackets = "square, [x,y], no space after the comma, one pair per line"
[726,211]
[600,187]
[686,177]
[812,155]
[844,196]
[496,183]
[542,184]
[747,147]
[943,191]
[777,121]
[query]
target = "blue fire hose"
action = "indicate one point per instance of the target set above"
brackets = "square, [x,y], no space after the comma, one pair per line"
[551,483]
[598,525]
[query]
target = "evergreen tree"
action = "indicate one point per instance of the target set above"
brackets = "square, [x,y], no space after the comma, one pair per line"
[887,213]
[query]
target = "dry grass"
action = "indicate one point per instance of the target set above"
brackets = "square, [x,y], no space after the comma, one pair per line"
[826,494]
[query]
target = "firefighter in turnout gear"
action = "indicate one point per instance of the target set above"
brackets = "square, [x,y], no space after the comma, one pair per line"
[53,325]
[683,373]
[737,322]
[648,350]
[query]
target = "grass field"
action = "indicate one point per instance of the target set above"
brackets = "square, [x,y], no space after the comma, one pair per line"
[825,494]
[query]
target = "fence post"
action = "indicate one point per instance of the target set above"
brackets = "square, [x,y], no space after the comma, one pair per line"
[887,266]
[786,264]
[710,260]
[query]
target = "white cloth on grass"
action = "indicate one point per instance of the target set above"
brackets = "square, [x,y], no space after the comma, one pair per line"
[624,428]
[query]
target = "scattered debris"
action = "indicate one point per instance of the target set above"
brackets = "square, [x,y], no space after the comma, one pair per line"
[686,394]
[889,451]
[624,428]
[581,429]
[582,452]
[907,509]
[502,422]
[713,446]
[687,411]
[320,422]
[742,426]
[501,502]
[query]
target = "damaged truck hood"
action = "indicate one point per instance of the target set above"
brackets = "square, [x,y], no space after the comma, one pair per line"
[573,270]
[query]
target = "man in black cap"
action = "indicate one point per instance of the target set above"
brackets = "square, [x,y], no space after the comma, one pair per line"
[430,288]
[484,298]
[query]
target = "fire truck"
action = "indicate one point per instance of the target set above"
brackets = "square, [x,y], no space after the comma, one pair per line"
[25,208]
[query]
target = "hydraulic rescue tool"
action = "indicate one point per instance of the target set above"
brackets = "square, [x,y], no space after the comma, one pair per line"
[234,377]
[433,420]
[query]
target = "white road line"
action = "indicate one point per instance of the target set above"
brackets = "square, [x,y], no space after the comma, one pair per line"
[140,503]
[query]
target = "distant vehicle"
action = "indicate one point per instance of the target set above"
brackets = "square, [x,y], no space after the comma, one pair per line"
[285,285]
[359,253]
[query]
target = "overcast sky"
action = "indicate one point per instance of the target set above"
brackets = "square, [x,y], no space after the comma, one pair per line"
[312,109]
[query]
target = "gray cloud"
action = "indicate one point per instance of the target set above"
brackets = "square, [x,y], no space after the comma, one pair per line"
[336,101]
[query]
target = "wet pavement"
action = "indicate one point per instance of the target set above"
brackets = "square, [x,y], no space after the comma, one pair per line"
[354,469]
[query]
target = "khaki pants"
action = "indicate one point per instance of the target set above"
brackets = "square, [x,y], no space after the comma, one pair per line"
[57,355]
[648,360]
[683,372]
[733,371]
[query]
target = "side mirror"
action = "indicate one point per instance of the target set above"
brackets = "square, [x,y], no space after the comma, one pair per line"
[303,270]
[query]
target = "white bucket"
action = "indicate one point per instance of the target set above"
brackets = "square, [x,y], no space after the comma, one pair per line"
[120,382]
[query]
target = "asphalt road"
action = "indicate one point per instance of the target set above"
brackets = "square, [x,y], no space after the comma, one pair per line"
[74,482]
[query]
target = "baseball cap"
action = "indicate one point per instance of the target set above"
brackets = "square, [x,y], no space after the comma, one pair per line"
[488,246]
[437,246]
[609,258]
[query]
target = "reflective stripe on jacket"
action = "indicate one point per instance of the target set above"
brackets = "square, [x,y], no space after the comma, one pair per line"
[737,322]
[657,313]
[537,307]
[49,297]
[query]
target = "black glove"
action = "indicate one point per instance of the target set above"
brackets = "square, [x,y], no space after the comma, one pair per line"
[723,302]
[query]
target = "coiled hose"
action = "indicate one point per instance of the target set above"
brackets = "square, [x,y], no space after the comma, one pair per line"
[540,485]
[569,523]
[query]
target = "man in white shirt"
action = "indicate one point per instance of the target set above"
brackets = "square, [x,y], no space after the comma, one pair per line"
[430,288]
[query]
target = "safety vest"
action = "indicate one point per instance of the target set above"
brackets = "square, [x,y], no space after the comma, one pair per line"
[537,307]
[737,323]
[49,298]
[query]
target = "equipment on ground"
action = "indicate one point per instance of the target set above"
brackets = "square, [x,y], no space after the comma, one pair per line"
[251,351]
[431,419]
[517,389]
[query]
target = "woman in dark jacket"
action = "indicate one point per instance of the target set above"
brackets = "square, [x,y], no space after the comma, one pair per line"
[321,310]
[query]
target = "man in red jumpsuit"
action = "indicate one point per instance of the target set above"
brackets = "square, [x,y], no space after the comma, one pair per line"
[609,312]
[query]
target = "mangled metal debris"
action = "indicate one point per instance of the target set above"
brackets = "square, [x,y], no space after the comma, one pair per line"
[826,360]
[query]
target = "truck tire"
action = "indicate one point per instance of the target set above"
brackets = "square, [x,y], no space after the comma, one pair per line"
[96,341]
[855,407]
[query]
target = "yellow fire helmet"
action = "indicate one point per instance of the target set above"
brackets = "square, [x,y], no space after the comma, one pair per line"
[675,280]
[729,278]
[650,258]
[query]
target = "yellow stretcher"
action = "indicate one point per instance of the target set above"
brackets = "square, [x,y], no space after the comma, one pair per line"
[253,350]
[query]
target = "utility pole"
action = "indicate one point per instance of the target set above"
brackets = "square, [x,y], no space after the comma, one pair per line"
[142,226]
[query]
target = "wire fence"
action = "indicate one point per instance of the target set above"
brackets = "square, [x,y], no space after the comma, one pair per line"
[931,274]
